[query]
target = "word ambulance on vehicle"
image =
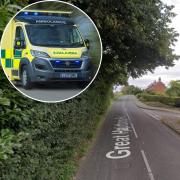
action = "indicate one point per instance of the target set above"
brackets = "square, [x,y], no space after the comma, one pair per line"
[44,46]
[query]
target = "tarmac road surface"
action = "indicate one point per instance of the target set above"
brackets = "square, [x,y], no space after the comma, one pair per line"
[132,145]
[52,92]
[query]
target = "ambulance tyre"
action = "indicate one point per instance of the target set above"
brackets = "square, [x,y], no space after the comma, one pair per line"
[25,78]
[17,83]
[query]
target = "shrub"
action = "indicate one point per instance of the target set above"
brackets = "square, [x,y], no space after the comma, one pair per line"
[42,140]
[160,98]
[177,102]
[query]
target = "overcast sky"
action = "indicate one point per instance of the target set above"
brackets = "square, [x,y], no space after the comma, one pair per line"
[172,73]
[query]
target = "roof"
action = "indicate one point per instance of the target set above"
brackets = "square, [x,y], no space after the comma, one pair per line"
[48,11]
[157,86]
[32,17]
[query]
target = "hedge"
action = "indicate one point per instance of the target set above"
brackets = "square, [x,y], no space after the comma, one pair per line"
[41,141]
[172,101]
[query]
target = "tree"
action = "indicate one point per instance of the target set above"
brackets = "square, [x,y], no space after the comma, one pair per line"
[131,90]
[174,89]
[7,9]
[135,34]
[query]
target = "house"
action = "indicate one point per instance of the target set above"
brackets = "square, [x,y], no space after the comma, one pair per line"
[157,87]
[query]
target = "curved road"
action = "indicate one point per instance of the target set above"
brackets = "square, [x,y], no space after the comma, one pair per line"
[132,145]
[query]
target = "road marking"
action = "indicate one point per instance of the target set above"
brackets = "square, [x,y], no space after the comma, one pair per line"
[151,176]
[134,130]
[121,138]
[152,115]
[132,126]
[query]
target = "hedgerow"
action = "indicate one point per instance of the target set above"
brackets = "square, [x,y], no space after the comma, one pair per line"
[40,141]
[172,101]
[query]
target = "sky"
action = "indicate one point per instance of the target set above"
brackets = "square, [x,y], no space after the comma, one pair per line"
[172,73]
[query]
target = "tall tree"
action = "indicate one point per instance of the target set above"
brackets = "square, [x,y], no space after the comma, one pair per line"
[136,36]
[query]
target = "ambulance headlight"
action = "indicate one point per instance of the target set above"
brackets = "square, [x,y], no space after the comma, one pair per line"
[85,54]
[40,54]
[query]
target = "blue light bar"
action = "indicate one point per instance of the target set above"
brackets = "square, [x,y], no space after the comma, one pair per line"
[42,18]
[57,61]
[77,61]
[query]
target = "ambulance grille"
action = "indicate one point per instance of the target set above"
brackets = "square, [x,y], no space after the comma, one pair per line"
[59,64]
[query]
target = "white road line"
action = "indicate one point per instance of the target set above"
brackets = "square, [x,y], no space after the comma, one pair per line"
[128,116]
[151,176]
[134,130]
[132,126]
[152,115]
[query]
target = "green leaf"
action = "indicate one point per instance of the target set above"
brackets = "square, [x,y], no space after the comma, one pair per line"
[4,101]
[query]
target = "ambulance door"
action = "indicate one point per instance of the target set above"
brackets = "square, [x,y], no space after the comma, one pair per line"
[7,49]
[19,46]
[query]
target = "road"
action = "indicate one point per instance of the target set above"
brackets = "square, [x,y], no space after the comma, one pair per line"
[52,92]
[132,145]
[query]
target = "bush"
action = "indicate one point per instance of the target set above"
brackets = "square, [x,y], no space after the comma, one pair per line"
[172,101]
[133,90]
[42,140]
[177,102]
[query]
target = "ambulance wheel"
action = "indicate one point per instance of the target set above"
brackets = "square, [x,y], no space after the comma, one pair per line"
[17,83]
[25,78]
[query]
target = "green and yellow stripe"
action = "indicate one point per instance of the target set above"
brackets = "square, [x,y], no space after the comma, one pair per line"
[6,57]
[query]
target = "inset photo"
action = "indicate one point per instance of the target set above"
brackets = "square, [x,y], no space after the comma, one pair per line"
[51,51]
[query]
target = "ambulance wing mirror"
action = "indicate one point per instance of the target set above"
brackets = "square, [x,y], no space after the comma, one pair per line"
[19,44]
[87,43]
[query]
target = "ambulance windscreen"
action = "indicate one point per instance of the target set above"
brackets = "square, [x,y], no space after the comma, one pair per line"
[54,35]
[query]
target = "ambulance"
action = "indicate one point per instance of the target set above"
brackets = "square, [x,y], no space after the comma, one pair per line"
[44,46]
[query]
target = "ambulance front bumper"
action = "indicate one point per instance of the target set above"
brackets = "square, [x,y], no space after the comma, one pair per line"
[45,70]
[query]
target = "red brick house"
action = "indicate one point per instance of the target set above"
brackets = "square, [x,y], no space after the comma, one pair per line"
[157,86]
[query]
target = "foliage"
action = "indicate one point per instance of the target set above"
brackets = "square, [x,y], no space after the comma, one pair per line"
[7,9]
[174,89]
[150,92]
[9,142]
[131,90]
[136,36]
[42,140]
[171,101]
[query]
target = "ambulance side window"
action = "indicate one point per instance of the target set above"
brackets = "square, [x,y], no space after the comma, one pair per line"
[19,37]
[75,36]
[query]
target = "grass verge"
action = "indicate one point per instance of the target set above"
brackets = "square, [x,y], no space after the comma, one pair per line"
[158,105]
[174,124]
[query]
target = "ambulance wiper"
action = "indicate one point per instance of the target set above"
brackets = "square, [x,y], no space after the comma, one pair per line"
[78,44]
[57,44]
